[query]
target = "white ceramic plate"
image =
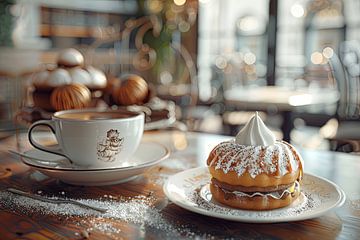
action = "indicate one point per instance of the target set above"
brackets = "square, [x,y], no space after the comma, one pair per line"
[147,155]
[190,189]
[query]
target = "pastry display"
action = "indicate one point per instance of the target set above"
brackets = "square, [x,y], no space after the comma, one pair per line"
[71,84]
[255,171]
[130,89]
[70,69]
[40,78]
[41,99]
[70,57]
[97,77]
[79,75]
[58,77]
[71,96]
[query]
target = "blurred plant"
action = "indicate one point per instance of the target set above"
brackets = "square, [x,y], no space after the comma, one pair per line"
[169,20]
[6,21]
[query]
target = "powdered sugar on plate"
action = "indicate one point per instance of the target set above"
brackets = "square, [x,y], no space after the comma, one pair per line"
[203,198]
[190,189]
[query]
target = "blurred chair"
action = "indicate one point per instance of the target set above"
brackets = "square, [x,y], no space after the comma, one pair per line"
[343,132]
[350,57]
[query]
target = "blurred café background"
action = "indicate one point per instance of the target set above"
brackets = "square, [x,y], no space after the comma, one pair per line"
[208,64]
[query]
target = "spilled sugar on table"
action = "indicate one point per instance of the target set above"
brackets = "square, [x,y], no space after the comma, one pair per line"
[140,209]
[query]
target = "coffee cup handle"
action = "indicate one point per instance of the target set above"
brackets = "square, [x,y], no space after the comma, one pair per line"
[51,149]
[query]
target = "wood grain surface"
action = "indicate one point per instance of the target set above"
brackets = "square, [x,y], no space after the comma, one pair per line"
[188,150]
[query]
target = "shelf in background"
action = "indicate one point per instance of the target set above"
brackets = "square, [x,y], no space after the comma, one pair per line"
[73,31]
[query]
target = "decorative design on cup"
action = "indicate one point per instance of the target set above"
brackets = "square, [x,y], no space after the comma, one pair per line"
[108,148]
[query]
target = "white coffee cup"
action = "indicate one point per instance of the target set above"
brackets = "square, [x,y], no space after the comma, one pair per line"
[93,138]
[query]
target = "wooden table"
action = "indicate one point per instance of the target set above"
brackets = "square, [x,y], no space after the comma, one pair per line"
[188,150]
[281,99]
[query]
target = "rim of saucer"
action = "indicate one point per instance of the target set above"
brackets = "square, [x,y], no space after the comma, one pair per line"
[166,155]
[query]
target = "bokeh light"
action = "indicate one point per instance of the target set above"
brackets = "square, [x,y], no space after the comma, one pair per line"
[297,10]
[166,77]
[221,62]
[248,23]
[316,58]
[179,2]
[155,6]
[328,52]
[249,58]
[184,26]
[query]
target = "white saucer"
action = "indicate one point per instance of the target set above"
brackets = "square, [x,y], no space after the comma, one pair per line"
[147,155]
[190,189]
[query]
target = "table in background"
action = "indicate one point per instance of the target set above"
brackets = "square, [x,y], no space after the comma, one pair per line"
[282,99]
[188,150]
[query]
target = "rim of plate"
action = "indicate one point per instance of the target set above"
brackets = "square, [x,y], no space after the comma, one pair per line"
[165,155]
[300,217]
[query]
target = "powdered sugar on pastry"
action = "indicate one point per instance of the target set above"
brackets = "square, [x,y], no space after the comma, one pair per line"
[277,159]
[255,150]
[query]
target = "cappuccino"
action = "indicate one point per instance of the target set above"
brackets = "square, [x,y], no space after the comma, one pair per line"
[93,138]
[101,115]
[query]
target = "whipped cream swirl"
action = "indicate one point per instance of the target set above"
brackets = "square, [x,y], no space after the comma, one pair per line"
[255,133]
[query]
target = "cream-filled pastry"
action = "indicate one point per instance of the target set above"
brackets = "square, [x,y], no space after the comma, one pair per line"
[254,170]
